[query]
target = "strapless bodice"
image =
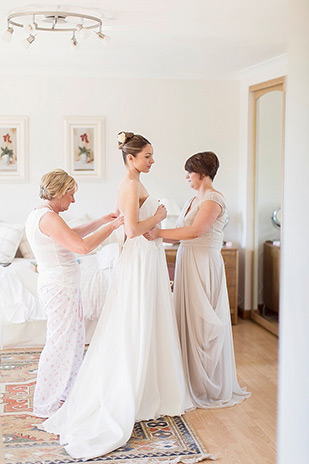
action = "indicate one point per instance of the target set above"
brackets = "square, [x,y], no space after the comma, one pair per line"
[146,210]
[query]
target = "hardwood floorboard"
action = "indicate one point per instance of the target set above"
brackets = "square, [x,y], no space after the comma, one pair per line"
[245,433]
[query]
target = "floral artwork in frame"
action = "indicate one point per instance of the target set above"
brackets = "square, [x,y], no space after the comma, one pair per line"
[13,148]
[84,147]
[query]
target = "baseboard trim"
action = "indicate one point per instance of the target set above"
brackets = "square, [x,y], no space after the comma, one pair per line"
[271,327]
[243,313]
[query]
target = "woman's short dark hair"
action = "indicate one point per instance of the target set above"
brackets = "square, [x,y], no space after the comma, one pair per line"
[131,144]
[205,163]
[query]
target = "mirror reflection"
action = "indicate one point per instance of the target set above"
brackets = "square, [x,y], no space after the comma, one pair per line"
[269,109]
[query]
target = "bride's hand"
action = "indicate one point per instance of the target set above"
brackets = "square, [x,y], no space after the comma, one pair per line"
[152,234]
[161,212]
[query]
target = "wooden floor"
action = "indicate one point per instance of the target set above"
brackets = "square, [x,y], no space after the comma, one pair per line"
[245,433]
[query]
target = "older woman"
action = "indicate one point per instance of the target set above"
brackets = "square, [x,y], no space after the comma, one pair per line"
[200,292]
[53,243]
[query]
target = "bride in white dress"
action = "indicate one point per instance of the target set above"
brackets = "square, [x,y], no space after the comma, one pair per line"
[133,369]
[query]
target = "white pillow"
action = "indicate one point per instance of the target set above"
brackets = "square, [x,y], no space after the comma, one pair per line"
[25,248]
[84,219]
[10,236]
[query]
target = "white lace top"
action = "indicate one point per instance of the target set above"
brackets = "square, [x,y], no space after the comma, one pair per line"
[56,264]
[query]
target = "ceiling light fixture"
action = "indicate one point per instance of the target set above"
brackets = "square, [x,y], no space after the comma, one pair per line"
[28,41]
[103,37]
[74,42]
[71,20]
[7,35]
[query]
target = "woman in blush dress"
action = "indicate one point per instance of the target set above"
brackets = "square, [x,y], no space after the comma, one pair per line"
[132,370]
[200,292]
[53,243]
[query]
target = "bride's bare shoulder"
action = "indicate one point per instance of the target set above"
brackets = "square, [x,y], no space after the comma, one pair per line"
[128,190]
[128,186]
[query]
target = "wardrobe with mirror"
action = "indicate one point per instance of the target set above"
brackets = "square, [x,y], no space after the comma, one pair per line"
[268,145]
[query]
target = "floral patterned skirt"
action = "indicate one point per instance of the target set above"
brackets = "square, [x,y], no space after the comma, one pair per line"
[63,352]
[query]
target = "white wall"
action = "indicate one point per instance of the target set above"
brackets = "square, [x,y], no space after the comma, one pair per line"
[293,424]
[179,117]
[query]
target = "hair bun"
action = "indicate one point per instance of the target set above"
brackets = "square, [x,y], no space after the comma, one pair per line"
[123,138]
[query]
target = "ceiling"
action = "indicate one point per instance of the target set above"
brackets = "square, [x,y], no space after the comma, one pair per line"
[186,39]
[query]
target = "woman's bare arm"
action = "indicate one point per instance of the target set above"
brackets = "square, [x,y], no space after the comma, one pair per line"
[204,219]
[54,226]
[86,229]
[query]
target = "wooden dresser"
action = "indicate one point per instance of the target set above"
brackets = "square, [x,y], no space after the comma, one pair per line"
[271,276]
[230,258]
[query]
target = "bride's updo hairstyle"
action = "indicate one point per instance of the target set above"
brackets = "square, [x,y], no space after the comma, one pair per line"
[131,144]
[204,164]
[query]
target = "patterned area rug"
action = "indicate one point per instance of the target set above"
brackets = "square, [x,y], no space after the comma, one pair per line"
[160,441]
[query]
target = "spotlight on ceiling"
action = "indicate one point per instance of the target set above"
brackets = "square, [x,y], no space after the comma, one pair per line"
[28,41]
[7,35]
[103,37]
[74,43]
[30,27]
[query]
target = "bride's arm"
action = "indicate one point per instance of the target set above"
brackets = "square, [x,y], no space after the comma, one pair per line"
[130,207]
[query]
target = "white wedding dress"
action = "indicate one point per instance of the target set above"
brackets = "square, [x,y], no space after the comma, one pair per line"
[133,369]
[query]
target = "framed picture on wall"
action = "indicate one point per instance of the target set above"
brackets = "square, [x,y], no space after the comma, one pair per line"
[84,147]
[13,148]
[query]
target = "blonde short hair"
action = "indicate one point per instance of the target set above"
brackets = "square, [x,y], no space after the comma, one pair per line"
[56,183]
